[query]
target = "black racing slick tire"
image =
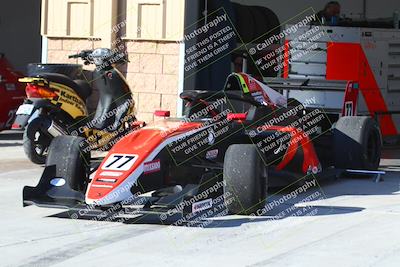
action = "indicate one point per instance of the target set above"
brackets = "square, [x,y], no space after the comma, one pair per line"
[245,177]
[71,160]
[357,143]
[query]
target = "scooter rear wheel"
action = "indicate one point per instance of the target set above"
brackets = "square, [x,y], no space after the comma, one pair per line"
[36,146]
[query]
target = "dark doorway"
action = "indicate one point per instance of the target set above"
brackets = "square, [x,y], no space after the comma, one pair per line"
[20,32]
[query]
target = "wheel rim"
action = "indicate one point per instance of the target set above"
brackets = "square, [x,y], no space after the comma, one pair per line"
[40,144]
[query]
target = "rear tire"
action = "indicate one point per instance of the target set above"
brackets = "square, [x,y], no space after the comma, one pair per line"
[245,176]
[71,159]
[357,143]
[36,150]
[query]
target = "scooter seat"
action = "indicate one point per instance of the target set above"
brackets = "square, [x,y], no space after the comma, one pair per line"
[82,88]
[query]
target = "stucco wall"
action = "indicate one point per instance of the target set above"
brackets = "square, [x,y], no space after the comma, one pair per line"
[153,76]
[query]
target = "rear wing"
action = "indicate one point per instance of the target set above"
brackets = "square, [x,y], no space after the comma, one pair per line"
[339,97]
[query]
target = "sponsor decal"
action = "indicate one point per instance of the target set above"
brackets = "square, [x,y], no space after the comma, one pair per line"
[212,154]
[57,182]
[152,166]
[202,205]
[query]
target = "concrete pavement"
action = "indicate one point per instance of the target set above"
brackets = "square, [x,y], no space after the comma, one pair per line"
[353,222]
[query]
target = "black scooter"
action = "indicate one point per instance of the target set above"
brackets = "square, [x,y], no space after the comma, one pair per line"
[56,105]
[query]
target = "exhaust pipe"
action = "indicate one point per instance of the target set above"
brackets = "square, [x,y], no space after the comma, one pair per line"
[56,130]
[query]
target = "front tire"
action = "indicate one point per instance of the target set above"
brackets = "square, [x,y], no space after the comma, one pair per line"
[245,177]
[72,160]
[357,143]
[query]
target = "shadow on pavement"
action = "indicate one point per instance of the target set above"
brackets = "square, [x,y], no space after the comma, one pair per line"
[307,204]
[7,138]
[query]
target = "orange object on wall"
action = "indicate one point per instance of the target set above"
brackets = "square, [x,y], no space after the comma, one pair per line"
[347,61]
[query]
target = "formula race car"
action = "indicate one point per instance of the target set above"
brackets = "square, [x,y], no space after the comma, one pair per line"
[226,151]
